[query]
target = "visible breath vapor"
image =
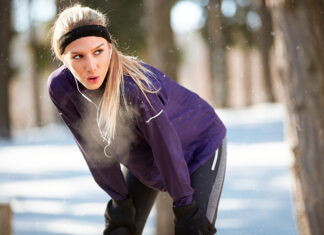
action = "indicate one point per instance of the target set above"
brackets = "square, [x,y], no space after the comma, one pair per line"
[119,147]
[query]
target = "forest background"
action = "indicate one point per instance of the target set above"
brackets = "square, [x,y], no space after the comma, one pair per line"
[232,53]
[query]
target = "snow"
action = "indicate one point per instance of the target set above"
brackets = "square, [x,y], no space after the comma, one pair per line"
[51,191]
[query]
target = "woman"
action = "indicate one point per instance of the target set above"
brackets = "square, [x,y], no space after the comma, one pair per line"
[122,111]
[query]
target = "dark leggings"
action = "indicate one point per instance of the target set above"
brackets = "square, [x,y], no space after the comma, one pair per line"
[207,181]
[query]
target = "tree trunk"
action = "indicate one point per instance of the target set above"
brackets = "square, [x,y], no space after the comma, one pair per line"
[300,55]
[164,215]
[5,219]
[161,47]
[265,46]
[62,4]
[35,77]
[217,53]
[247,73]
[161,54]
[5,25]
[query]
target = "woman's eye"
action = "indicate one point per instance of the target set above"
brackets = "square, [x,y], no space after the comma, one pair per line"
[77,57]
[97,52]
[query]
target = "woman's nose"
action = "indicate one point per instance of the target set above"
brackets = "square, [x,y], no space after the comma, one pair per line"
[91,65]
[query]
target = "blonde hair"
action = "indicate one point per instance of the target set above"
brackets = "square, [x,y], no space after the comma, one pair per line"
[120,65]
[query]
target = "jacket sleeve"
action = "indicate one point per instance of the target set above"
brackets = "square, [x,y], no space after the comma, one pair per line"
[106,172]
[166,146]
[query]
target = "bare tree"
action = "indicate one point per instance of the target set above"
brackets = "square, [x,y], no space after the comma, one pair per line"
[162,54]
[217,53]
[35,76]
[61,4]
[5,23]
[265,46]
[299,44]
[161,47]
[5,219]
[247,75]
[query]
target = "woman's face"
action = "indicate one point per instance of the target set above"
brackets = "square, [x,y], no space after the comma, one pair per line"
[88,60]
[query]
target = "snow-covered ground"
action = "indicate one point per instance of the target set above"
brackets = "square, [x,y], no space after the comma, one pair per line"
[46,181]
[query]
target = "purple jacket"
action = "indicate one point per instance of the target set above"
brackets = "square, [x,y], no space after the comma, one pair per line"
[162,144]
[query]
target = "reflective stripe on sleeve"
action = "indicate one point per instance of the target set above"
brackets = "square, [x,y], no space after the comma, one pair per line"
[151,118]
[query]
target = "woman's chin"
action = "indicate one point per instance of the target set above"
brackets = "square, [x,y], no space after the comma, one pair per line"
[93,85]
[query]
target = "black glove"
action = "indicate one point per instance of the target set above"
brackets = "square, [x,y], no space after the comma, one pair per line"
[119,231]
[189,221]
[120,215]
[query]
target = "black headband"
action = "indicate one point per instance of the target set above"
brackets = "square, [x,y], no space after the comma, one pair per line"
[83,31]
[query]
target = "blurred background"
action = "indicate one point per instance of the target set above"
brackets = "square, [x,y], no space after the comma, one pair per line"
[258,63]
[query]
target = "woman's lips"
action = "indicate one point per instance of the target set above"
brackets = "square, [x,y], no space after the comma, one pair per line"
[93,79]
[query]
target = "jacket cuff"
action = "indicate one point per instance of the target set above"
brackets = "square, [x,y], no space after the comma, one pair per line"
[185,211]
[183,201]
[128,202]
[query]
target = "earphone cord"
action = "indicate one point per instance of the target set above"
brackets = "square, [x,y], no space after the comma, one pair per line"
[97,108]
[97,118]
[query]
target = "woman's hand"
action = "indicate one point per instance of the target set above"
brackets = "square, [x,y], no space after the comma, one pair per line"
[189,221]
[120,216]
